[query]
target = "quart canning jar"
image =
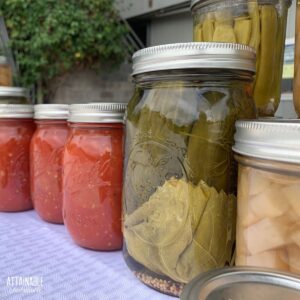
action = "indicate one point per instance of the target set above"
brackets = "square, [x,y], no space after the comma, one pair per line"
[92,177]
[46,154]
[179,184]
[260,24]
[5,72]
[13,95]
[297,62]
[16,130]
[268,227]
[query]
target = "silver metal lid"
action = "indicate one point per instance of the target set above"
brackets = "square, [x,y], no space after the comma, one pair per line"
[243,283]
[11,91]
[201,3]
[194,56]
[3,60]
[16,111]
[269,139]
[51,111]
[97,112]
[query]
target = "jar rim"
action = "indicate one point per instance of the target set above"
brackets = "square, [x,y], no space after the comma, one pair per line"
[194,55]
[51,111]
[277,140]
[18,111]
[104,112]
[195,4]
[13,91]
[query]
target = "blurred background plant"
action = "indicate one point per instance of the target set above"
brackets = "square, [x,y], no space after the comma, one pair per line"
[52,37]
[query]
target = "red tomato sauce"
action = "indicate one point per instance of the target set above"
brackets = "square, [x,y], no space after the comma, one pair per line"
[92,181]
[15,136]
[46,153]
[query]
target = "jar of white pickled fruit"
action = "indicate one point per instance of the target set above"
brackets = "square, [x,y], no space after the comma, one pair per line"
[268,219]
[179,172]
[260,24]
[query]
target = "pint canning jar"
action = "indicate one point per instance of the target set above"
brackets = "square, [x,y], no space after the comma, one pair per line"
[46,154]
[16,130]
[92,177]
[260,24]
[268,227]
[179,183]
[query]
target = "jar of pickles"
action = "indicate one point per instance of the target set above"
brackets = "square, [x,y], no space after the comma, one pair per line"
[268,227]
[46,155]
[179,184]
[13,95]
[5,72]
[260,24]
[92,175]
[16,130]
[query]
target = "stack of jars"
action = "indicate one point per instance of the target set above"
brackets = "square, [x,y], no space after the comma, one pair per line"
[67,166]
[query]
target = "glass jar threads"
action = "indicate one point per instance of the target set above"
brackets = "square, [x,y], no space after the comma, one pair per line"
[179,184]
[16,130]
[268,228]
[46,154]
[260,24]
[92,179]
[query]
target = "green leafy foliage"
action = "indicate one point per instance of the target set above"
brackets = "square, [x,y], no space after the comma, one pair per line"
[51,37]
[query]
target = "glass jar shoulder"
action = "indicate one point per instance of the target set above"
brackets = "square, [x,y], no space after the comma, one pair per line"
[53,135]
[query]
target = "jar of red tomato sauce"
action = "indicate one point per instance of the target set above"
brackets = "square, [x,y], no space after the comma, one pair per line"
[16,130]
[46,153]
[92,177]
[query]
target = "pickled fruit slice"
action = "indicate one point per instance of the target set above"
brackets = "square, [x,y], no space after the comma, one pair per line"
[266,235]
[292,193]
[268,259]
[258,182]
[224,27]
[294,258]
[242,30]
[270,203]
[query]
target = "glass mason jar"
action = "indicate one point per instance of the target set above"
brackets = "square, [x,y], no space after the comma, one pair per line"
[260,24]
[13,95]
[16,130]
[5,72]
[179,184]
[268,228]
[297,62]
[92,176]
[46,154]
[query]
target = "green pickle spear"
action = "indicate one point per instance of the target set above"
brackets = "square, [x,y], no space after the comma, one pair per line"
[242,30]
[224,31]
[264,85]
[208,28]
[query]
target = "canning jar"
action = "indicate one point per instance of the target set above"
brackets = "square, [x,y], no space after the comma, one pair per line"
[268,227]
[16,130]
[260,24]
[92,177]
[13,95]
[179,184]
[297,62]
[5,72]
[46,154]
